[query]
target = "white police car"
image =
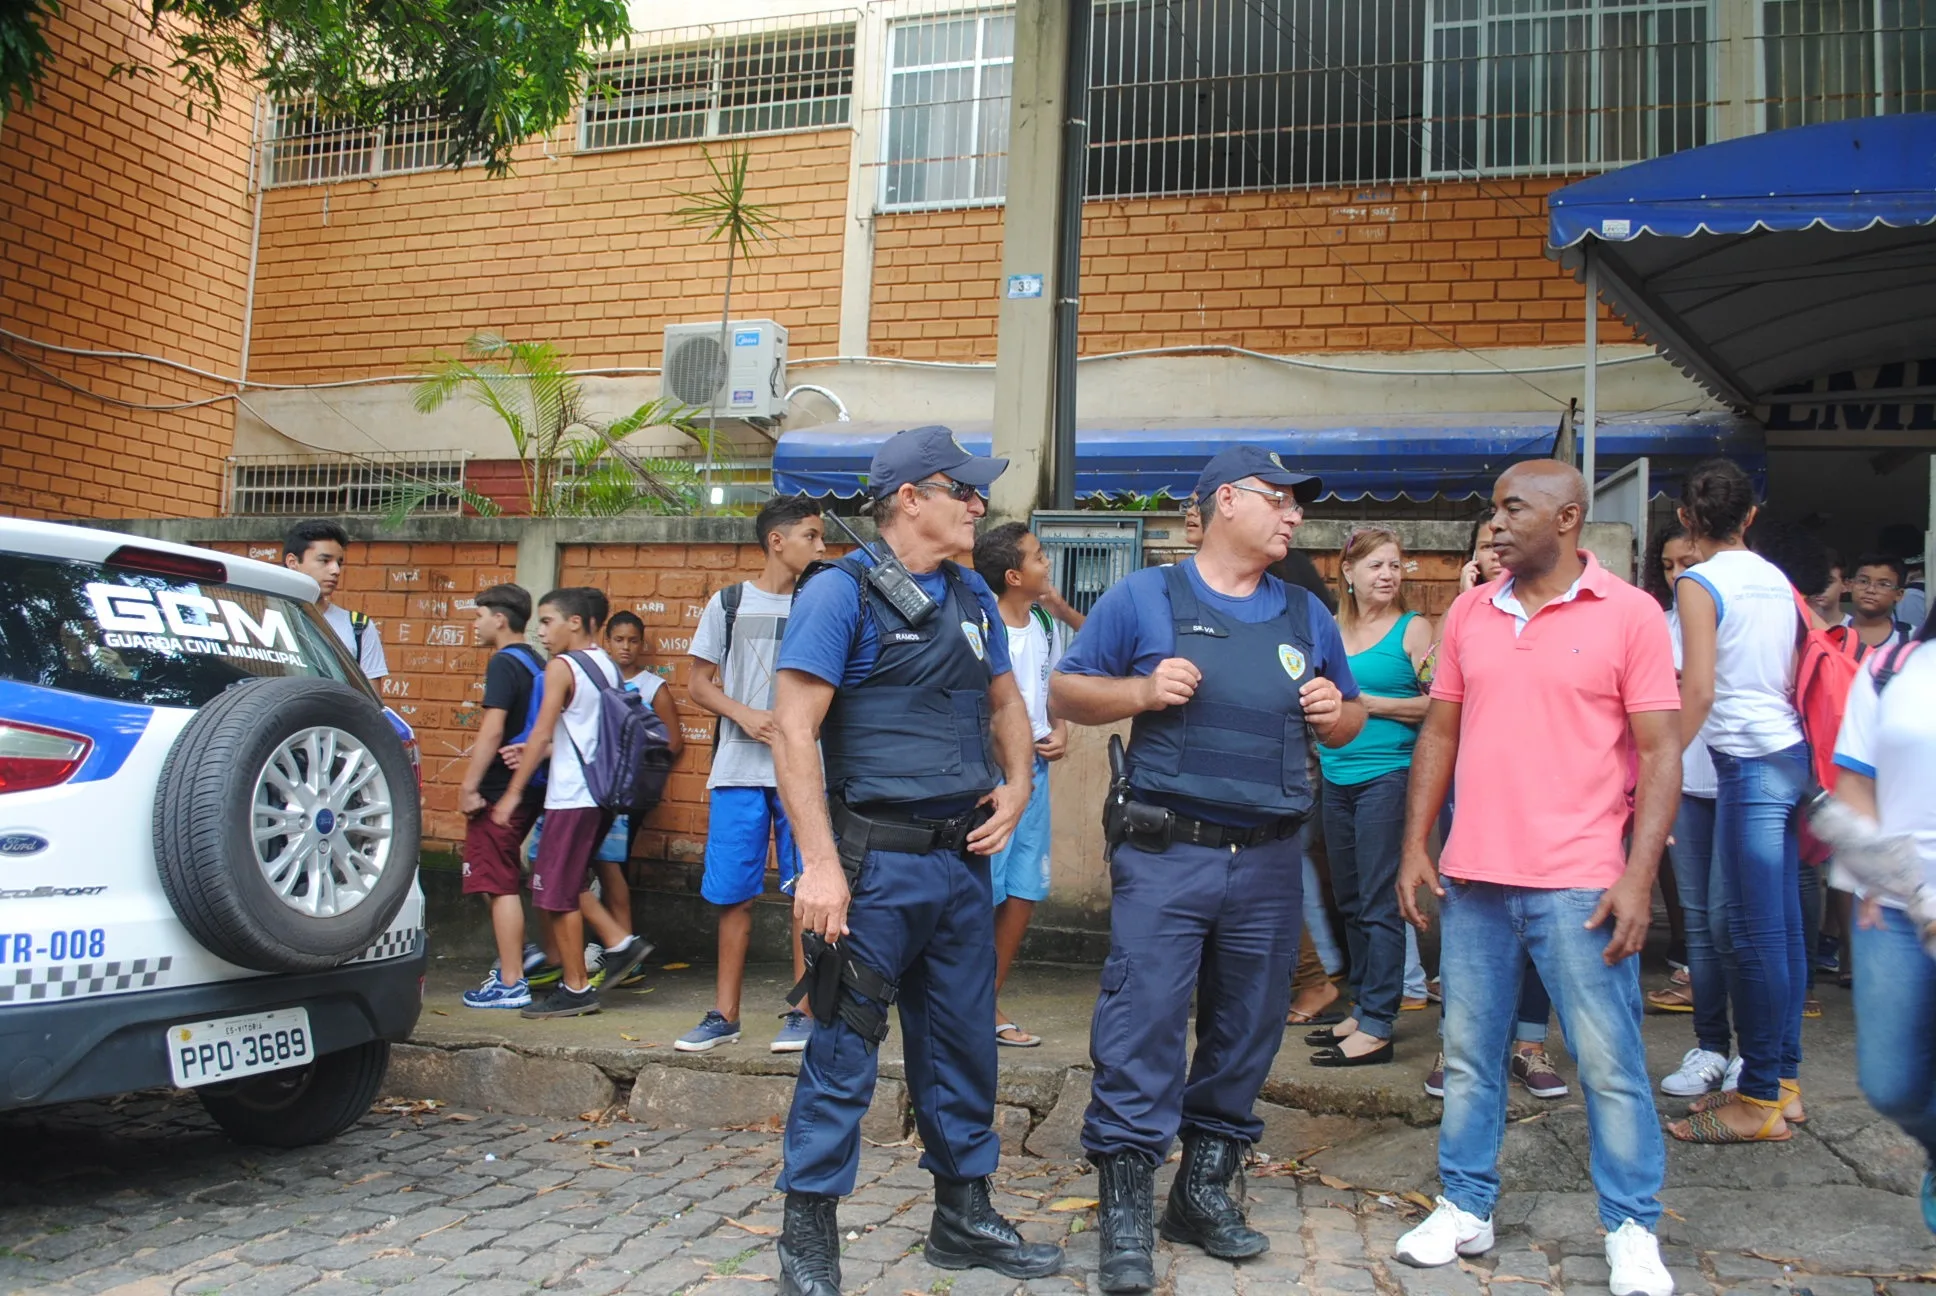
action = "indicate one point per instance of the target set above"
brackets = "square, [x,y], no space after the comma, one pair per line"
[208,839]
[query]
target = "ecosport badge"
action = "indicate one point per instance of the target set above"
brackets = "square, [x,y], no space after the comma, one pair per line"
[1291,660]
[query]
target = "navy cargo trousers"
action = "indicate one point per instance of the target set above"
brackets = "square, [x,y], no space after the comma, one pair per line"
[1218,923]
[928,922]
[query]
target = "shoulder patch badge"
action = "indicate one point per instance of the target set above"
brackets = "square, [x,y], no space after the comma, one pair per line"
[972,633]
[1291,660]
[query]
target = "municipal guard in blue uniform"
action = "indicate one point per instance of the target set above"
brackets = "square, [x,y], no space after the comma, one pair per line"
[1228,673]
[897,663]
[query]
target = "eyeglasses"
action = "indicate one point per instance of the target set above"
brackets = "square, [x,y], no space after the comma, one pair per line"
[1282,501]
[1867,582]
[956,489]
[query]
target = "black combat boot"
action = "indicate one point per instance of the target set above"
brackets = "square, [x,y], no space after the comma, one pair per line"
[1127,1215]
[810,1246]
[1200,1211]
[968,1233]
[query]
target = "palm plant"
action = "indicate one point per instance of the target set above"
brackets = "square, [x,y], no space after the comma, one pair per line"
[574,461]
[725,212]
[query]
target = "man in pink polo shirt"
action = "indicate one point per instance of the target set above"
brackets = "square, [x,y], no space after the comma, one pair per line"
[1555,684]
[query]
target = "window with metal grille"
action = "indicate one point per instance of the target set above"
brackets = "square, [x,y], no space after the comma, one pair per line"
[1827,60]
[722,81]
[1088,552]
[365,485]
[1197,96]
[946,135]
[1545,86]
[309,147]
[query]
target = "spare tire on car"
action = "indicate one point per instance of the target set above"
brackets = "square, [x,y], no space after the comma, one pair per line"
[286,826]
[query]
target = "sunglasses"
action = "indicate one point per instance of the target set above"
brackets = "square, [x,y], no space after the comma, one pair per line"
[956,489]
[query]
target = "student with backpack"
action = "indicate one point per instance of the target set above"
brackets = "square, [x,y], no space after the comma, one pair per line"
[1011,559]
[625,641]
[734,652]
[319,549]
[492,868]
[1750,666]
[602,757]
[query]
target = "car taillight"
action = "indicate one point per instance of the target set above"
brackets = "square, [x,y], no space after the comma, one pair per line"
[32,757]
[415,753]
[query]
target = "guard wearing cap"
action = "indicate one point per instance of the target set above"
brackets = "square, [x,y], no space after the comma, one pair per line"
[898,665]
[1225,671]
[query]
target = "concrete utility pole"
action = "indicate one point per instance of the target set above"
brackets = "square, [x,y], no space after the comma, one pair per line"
[1025,349]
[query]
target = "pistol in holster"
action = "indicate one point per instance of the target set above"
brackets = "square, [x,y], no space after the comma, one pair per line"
[1124,819]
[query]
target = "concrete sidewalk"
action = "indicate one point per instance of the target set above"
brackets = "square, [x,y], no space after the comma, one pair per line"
[1372,1125]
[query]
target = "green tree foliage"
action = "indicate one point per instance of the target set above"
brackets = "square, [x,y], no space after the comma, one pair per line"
[499,71]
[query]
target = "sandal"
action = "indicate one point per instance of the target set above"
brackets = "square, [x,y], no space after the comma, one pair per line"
[1323,1017]
[1811,1008]
[1676,996]
[1022,1038]
[1791,1096]
[1708,1127]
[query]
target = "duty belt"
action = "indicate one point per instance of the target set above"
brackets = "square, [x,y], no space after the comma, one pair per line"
[1201,832]
[860,833]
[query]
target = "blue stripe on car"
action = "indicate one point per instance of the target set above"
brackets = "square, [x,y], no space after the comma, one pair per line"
[114,727]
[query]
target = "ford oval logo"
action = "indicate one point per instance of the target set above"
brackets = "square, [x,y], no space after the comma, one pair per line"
[21,843]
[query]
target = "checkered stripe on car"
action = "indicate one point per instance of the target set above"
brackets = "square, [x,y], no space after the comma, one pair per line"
[68,981]
[392,944]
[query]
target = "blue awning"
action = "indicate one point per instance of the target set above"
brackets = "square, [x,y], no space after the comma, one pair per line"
[1358,458]
[1771,259]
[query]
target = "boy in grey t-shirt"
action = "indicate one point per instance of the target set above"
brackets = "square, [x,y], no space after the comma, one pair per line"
[734,654]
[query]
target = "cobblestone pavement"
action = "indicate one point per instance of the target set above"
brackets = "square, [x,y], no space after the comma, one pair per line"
[144,1198]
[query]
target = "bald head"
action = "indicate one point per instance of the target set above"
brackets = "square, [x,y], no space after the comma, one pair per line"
[1538,508]
[1548,479]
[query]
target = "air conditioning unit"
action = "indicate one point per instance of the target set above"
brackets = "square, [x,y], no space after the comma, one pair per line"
[745,379]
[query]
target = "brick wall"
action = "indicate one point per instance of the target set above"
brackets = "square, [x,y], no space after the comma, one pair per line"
[579,249]
[1394,269]
[125,228]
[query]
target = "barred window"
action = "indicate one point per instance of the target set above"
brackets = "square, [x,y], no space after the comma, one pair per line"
[1529,86]
[946,137]
[1828,60]
[307,146]
[743,83]
[1201,96]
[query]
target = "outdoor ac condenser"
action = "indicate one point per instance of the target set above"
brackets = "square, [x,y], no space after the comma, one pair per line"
[746,380]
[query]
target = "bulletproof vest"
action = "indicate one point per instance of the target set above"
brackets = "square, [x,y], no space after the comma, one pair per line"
[1240,740]
[916,729]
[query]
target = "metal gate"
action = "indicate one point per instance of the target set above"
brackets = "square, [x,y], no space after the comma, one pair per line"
[1089,552]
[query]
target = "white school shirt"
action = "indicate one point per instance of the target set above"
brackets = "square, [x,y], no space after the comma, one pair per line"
[1033,652]
[370,657]
[1697,763]
[1892,739]
[565,788]
[1755,653]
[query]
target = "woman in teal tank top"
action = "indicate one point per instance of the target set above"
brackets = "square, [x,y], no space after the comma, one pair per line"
[1364,792]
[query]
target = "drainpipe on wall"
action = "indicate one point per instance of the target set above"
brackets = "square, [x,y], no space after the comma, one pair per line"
[257,154]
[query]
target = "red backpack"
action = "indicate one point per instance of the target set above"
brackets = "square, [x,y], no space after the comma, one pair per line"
[1824,673]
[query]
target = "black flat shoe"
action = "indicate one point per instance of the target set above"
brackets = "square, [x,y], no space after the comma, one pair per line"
[1325,1038]
[1337,1057]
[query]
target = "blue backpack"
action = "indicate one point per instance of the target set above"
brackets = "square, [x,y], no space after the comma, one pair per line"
[634,757]
[530,660]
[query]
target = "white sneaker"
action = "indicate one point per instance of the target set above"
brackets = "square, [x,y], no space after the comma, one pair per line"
[1700,1071]
[1446,1234]
[1732,1081]
[1633,1254]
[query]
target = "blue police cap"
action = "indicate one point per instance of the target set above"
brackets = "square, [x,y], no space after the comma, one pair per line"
[920,453]
[1237,462]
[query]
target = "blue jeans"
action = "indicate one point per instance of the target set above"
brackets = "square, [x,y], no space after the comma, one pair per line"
[1710,953]
[1535,1005]
[1760,859]
[1895,1026]
[1317,921]
[1364,826]
[1490,933]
